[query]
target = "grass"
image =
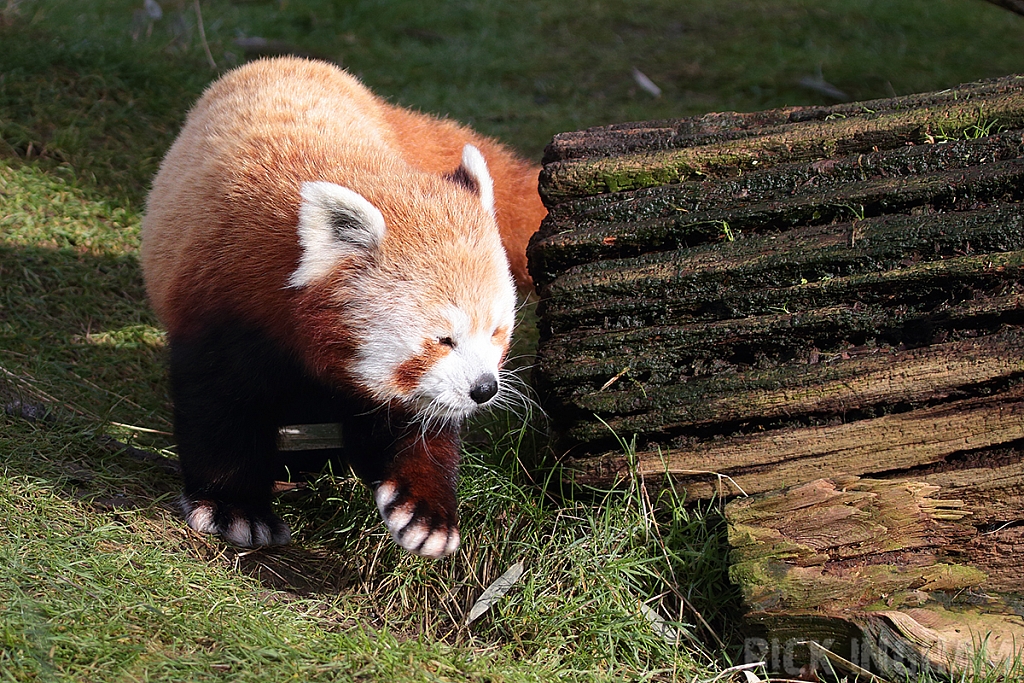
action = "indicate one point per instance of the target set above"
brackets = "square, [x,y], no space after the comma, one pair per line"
[99,580]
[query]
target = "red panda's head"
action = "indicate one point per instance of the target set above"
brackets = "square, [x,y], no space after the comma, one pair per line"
[418,282]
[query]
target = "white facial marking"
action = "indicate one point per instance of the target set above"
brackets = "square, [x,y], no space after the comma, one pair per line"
[445,388]
[390,325]
[474,163]
[334,223]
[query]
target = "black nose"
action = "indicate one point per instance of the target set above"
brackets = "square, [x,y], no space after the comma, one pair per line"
[484,388]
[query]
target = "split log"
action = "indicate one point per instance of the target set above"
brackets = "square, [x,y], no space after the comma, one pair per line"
[809,304]
[925,589]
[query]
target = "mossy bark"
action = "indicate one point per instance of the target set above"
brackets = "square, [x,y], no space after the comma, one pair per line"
[634,156]
[811,297]
[889,557]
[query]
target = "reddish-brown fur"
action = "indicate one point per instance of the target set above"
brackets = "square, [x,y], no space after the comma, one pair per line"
[316,253]
[409,373]
[258,186]
[435,146]
[427,467]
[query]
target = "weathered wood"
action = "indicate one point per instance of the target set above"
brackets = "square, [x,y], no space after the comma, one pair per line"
[692,280]
[778,458]
[580,164]
[673,369]
[883,555]
[796,549]
[903,643]
[926,178]
[865,380]
[665,310]
[818,314]
[309,437]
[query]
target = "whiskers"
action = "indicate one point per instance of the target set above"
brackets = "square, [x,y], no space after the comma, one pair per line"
[514,397]
[438,414]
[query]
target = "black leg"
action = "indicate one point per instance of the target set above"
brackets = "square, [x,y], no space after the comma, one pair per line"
[233,387]
[227,384]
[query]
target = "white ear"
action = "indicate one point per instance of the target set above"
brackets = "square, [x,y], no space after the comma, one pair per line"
[334,223]
[475,168]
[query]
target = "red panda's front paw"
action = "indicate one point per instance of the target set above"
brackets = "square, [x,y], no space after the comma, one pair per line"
[416,525]
[236,524]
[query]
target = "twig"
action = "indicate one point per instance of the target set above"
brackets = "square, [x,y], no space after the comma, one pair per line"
[841,662]
[144,430]
[27,386]
[734,669]
[119,397]
[202,35]
[166,464]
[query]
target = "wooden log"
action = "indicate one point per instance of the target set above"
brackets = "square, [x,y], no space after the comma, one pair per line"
[663,307]
[884,556]
[817,314]
[634,156]
[922,177]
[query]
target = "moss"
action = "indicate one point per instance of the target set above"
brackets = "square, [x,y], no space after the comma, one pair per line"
[771,583]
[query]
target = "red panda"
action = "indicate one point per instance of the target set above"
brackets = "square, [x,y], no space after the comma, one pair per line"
[318,255]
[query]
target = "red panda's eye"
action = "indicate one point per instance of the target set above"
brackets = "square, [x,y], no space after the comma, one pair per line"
[447,341]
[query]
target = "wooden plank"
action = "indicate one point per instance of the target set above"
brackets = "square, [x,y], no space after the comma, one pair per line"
[865,380]
[781,181]
[805,269]
[588,359]
[622,138]
[309,437]
[674,216]
[786,457]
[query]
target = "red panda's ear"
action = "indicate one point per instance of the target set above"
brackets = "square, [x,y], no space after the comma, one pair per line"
[473,175]
[334,223]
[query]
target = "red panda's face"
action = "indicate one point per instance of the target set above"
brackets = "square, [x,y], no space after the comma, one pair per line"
[432,317]
[462,360]
[441,360]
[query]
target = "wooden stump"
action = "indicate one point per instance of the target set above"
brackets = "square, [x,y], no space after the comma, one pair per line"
[823,307]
